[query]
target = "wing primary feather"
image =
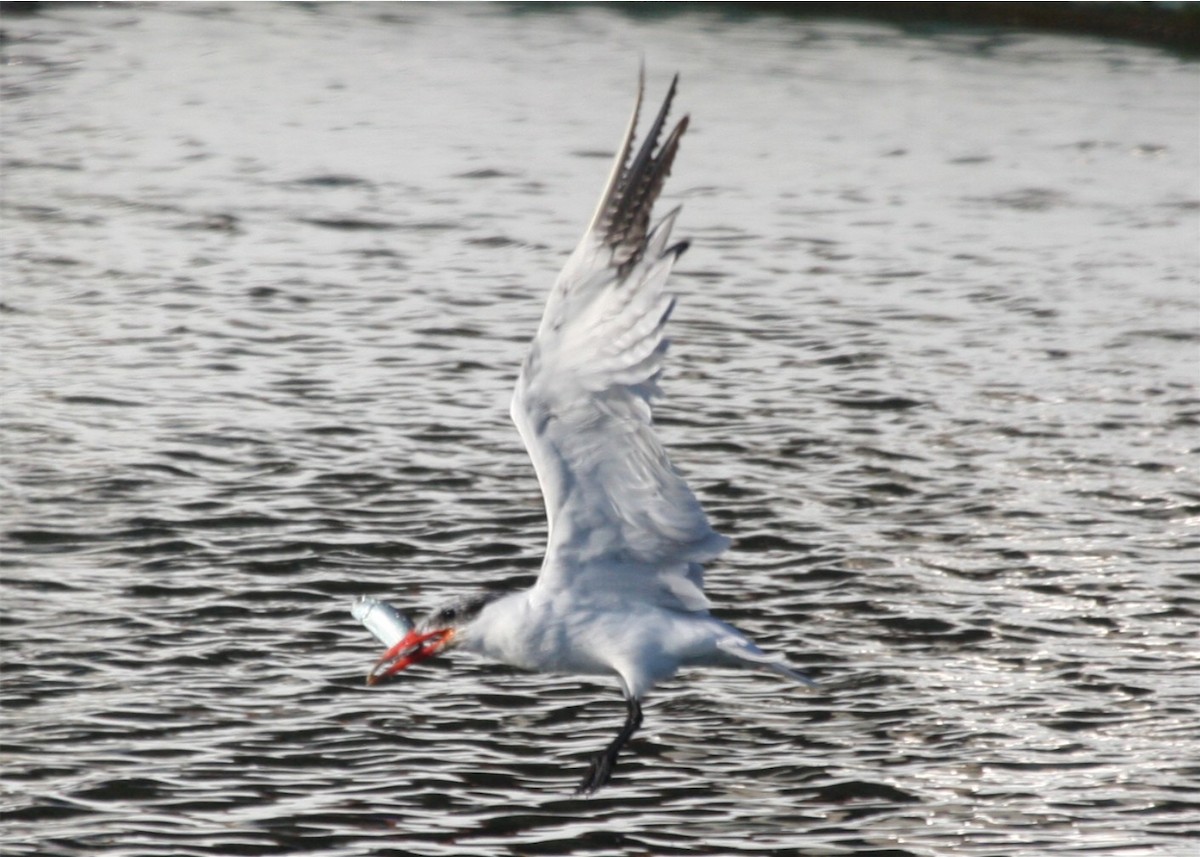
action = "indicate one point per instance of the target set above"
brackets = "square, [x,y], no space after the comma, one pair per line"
[624,220]
[622,158]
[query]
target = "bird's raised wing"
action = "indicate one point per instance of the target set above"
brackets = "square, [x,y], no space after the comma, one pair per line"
[622,521]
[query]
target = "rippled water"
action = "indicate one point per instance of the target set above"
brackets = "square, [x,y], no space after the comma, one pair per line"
[269,271]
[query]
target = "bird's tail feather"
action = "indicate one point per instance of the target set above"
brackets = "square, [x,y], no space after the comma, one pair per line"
[794,675]
[747,652]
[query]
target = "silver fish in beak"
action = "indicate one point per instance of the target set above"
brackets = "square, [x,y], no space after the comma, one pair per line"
[388,625]
[406,646]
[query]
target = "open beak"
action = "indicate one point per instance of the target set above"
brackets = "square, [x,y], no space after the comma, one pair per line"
[414,648]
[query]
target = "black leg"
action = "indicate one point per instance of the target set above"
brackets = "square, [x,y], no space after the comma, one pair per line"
[604,762]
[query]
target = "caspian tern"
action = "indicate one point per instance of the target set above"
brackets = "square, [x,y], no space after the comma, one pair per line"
[621,589]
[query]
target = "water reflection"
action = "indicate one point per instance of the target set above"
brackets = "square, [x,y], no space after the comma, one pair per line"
[933,372]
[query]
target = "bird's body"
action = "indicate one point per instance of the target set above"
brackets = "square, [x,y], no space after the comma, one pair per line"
[639,644]
[621,589]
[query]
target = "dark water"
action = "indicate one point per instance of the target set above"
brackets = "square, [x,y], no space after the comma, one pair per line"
[268,273]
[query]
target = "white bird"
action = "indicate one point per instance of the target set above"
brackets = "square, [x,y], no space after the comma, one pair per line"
[621,588]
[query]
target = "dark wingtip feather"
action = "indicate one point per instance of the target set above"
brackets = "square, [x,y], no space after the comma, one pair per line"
[624,218]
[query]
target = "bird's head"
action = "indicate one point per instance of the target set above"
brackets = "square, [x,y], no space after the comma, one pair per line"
[435,632]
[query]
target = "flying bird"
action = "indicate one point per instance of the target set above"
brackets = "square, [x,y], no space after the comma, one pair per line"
[621,589]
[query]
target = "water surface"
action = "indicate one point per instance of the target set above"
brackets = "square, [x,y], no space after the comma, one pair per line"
[269,272]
